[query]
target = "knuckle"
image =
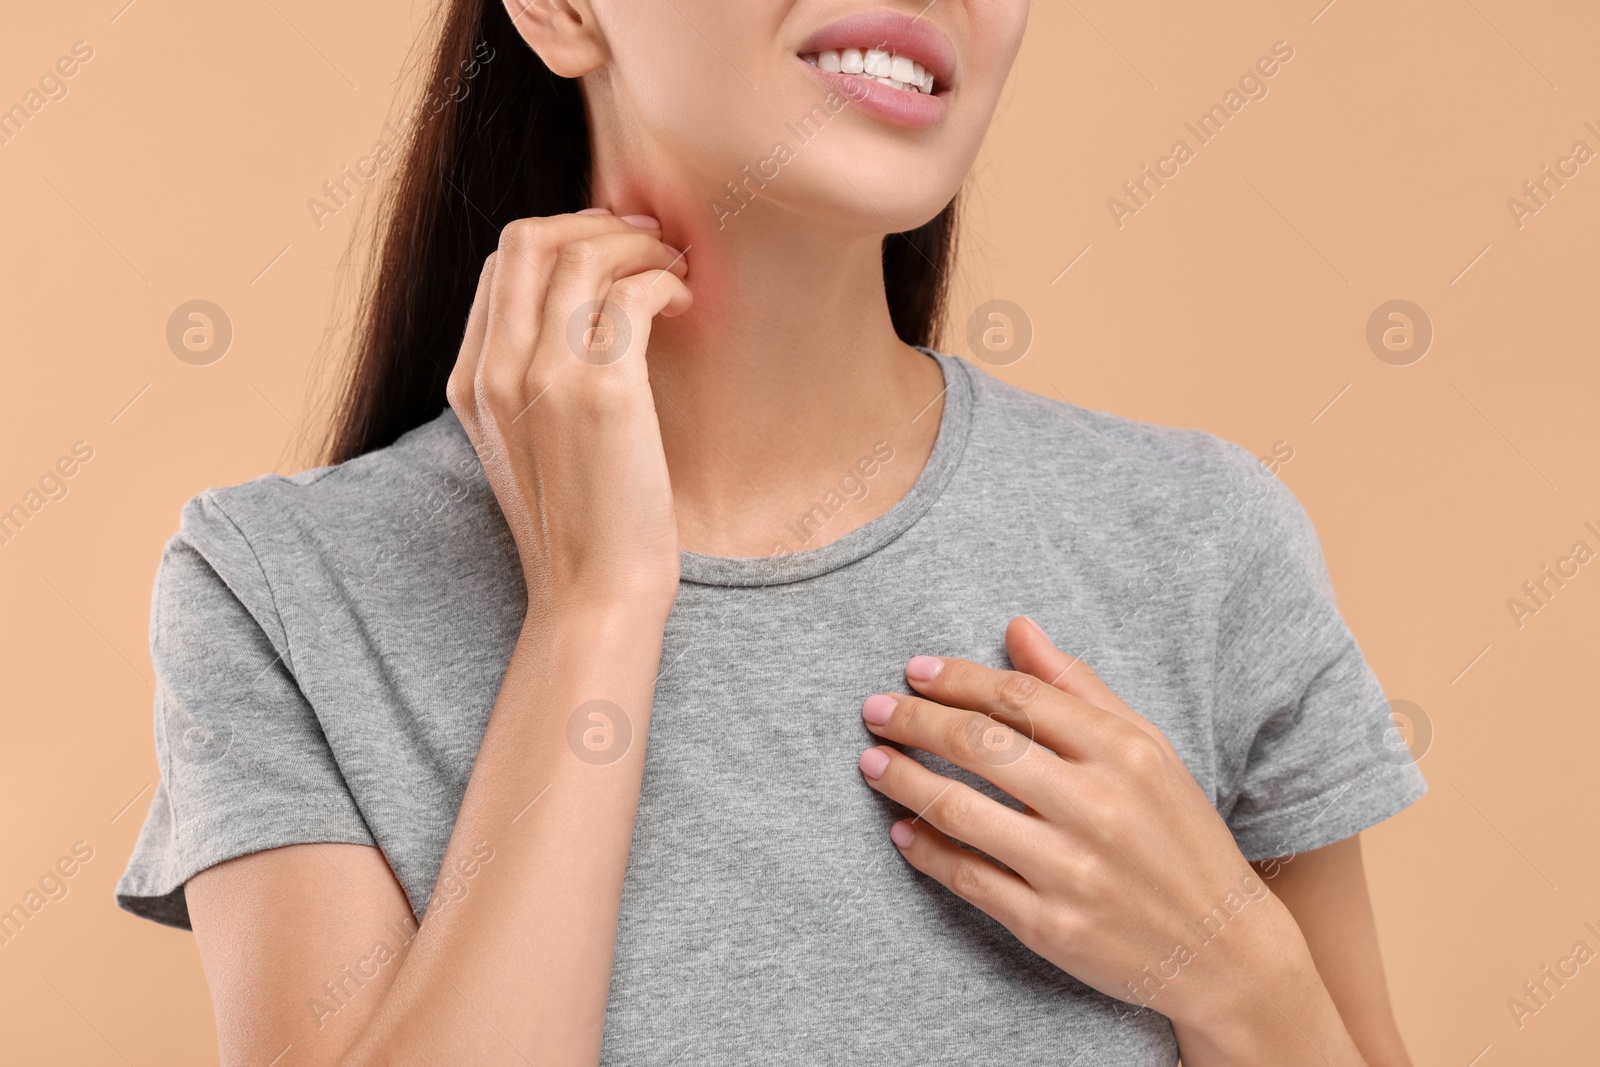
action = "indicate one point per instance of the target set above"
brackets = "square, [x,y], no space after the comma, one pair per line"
[958,731]
[1017,692]
[581,255]
[957,811]
[498,383]
[457,392]
[520,235]
[966,877]
[1138,751]
[629,293]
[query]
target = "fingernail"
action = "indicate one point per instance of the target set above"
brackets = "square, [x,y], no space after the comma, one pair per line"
[644,222]
[877,709]
[873,762]
[674,251]
[594,211]
[902,834]
[924,668]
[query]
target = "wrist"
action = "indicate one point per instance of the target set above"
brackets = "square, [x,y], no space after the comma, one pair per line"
[604,600]
[601,618]
[591,649]
[1267,947]
[1264,1003]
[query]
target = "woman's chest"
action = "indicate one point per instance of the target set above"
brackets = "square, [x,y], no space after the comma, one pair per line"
[765,912]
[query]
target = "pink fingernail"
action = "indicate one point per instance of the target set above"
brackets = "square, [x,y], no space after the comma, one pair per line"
[877,709]
[873,762]
[644,222]
[902,834]
[924,668]
[594,211]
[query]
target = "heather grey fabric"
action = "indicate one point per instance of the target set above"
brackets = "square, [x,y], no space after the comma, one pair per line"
[329,646]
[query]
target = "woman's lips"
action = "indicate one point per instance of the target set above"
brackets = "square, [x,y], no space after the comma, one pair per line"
[899,35]
[898,68]
[903,107]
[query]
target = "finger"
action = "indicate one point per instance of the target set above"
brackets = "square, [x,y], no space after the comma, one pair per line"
[1066,724]
[956,808]
[458,390]
[504,384]
[1032,651]
[1011,755]
[607,328]
[600,272]
[526,258]
[634,301]
[999,893]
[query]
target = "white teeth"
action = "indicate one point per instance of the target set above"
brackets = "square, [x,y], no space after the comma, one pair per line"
[885,68]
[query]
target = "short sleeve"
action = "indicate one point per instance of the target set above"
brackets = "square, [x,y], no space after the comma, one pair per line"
[243,760]
[1305,729]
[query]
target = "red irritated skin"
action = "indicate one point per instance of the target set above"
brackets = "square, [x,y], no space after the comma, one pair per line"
[774,174]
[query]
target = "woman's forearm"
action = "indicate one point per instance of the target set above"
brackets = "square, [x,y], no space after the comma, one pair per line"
[518,969]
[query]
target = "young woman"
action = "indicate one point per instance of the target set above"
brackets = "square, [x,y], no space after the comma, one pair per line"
[678,663]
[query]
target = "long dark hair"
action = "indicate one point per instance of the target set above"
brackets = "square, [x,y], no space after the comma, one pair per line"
[496,138]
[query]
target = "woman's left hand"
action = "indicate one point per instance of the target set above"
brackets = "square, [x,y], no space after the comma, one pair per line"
[1119,871]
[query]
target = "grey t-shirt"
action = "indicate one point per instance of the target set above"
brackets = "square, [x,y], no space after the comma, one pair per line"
[329,646]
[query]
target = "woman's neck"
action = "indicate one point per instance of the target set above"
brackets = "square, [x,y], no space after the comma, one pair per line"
[782,376]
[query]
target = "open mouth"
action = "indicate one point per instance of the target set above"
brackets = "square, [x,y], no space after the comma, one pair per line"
[875,64]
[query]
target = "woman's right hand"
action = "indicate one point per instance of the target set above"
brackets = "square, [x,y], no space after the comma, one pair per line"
[552,388]
[582,479]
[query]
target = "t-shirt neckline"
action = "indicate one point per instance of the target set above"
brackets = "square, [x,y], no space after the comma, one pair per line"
[864,540]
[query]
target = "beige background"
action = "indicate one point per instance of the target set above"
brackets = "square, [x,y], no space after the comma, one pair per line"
[179,165]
